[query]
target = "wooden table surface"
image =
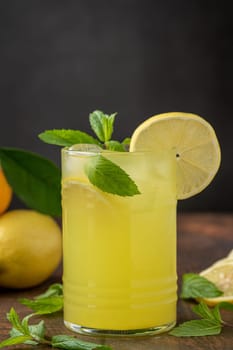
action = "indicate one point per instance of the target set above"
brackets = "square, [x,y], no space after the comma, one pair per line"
[202,238]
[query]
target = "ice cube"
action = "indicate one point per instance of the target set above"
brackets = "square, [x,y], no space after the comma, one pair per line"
[86,147]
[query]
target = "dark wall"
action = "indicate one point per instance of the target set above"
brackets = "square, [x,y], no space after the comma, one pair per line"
[60,60]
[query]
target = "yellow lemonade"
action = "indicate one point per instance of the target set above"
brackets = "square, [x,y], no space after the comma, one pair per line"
[120,252]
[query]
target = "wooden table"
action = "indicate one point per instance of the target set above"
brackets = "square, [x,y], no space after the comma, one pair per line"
[202,238]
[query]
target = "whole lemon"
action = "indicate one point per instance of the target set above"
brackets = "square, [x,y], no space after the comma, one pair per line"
[30,248]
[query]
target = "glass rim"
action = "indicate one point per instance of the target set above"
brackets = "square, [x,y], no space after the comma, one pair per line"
[67,150]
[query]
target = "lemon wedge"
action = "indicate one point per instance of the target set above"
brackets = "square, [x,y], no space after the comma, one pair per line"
[224,260]
[230,255]
[194,143]
[222,276]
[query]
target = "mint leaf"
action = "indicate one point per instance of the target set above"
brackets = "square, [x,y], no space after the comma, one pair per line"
[66,137]
[25,325]
[21,332]
[102,124]
[71,343]
[126,143]
[225,305]
[20,339]
[34,179]
[13,318]
[44,306]
[197,328]
[53,290]
[35,331]
[205,312]
[196,286]
[114,146]
[216,313]
[49,302]
[109,177]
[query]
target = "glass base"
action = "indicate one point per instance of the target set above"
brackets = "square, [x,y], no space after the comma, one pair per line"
[122,333]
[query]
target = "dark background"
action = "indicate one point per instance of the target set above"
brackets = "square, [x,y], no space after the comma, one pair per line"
[60,60]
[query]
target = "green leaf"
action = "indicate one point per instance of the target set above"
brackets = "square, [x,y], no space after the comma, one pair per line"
[126,143]
[24,324]
[196,286]
[15,333]
[13,318]
[205,312]
[225,305]
[66,137]
[197,328]
[72,343]
[102,124]
[109,177]
[38,330]
[44,306]
[34,179]
[34,332]
[54,290]
[114,146]
[20,331]
[49,302]
[216,313]
[21,339]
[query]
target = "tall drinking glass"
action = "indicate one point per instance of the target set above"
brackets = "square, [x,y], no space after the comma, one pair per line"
[119,272]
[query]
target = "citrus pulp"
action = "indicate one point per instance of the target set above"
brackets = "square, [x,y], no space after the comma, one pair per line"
[195,146]
[222,276]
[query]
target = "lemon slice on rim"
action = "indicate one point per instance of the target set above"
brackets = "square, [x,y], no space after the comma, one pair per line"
[194,143]
[222,276]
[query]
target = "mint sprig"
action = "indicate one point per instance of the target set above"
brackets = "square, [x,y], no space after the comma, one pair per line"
[101,172]
[195,286]
[102,125]
[23,333]
[210,324]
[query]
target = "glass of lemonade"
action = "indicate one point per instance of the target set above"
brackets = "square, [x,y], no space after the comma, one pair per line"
[119,272]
